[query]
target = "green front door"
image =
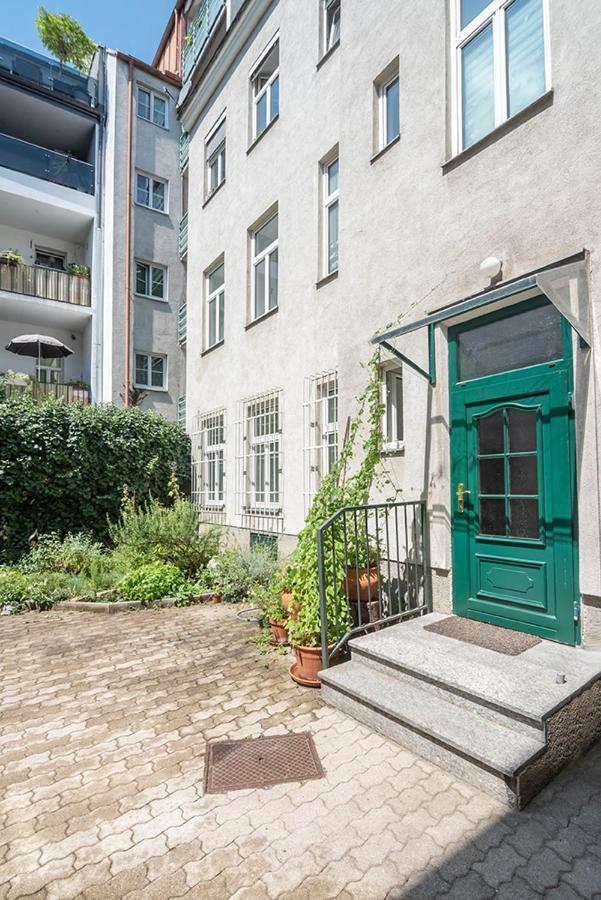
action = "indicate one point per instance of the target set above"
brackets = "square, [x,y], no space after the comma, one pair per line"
[512,469]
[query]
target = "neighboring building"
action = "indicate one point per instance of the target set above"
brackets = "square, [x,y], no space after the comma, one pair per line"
[90,177]
[349,169]
[51,186]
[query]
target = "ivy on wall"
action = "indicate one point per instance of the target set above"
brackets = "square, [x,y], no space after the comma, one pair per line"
[64,467]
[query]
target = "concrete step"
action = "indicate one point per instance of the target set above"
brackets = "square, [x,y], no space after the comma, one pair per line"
[458,738]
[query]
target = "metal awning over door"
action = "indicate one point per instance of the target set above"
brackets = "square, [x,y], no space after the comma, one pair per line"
[564,283]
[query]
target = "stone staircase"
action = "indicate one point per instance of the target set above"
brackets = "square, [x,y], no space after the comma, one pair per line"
[504,723]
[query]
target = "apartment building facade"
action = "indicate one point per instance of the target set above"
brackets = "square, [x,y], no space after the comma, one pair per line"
[425,177]
[90,212]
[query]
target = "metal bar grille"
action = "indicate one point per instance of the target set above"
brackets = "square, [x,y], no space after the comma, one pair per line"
[259,487]
[208,464]
[320,431]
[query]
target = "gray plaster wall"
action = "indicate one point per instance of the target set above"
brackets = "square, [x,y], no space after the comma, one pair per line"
[154,237]
[411,236]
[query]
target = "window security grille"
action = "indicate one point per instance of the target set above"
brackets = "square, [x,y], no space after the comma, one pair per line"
[320,431]
[259,494]
[208,464]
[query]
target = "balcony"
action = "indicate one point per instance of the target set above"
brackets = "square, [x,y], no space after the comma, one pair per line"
[199,31]
[49,284]
[59,168]
[184,150]
[183,236]
[64,82]
[40,391]
[182,323]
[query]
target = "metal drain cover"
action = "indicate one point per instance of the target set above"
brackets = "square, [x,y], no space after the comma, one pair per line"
[239,765]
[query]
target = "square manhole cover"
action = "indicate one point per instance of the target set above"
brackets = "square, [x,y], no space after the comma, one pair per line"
[239,765]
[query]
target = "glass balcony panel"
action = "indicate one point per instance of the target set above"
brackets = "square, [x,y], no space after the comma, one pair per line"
[46,164]
[64,81]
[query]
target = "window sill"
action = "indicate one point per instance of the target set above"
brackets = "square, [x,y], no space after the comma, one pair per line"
[393,448]
[213,347]
[260,137]
[327,54]
[212,194]
[262,318]
[327,279]
[384,150]
[148,297]
[542,103]
[154,390]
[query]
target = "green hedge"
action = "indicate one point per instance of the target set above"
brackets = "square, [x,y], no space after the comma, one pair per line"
[64,467]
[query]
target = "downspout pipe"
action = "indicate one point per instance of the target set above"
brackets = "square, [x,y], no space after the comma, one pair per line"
[128,216]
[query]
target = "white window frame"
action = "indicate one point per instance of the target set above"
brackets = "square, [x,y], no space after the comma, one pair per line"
[217,157]
[150,266]
[383,110]
[50,369]
[256,259]
[494,12]
[267,502]
[328,43]
[211,462]
[153,95]
[149,356]
[320,431]
[217,296]
[395,445]
[329,200]
[264,91]
[152,180]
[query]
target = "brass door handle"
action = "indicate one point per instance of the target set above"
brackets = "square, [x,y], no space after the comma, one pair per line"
[461,491]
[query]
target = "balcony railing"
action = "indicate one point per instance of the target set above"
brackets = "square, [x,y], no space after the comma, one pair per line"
[199,31]
[50,284]
[29,67]
[184,149]
[47,164]
[182,324]
[183,236]
[181,411]
[38,390]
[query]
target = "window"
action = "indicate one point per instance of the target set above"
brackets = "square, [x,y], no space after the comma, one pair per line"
[391,119]
[49,371]
[260,470]
[215,159]
[151,371]
[265,83]
[320,427]
[151,281]
[501,63]
[331,23]
[151,192]
[152,107]
[330,172]
[393,408]
[215,305]
[50,260]
[265,267]
[211,460]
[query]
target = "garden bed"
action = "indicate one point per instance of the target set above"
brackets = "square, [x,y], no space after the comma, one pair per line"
[114,606]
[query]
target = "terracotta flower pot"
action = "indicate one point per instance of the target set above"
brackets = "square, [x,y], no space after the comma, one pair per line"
[279,633]
[307,666]
[362,595]
[291,609]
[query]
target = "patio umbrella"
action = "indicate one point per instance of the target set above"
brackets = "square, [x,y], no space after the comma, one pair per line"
[40,345]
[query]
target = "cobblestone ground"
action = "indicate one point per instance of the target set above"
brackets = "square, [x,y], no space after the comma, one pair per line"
[104,723]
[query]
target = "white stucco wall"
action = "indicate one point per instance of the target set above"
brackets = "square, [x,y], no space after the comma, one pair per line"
[411,237]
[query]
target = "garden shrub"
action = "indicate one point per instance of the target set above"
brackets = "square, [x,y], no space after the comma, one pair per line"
[19,592]
[151,582]
[63,467]
[235,572]
[170,534]
[75,554]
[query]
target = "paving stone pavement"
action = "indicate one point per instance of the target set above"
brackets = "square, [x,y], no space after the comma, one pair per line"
[103,728]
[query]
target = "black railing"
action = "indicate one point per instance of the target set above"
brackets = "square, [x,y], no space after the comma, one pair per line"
[39,390]
[373,570]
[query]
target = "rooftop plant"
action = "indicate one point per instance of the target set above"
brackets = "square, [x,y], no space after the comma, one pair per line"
[64,37]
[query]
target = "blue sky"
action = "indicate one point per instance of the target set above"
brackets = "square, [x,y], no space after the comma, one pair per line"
[133,26]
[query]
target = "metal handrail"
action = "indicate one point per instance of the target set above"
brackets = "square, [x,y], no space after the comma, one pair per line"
[382,541]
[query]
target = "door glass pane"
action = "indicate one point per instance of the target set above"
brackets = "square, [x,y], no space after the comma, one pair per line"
[478,89]
[490,433]
[523,515]
[523,475]
[525,53]
[522,430]
[470,9]
[492,476]
[492,516]
[525,339]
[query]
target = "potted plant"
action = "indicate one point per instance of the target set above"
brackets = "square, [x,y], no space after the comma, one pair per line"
[78,270]
[336,491]
[361,585]
[11,258]
[268,598]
